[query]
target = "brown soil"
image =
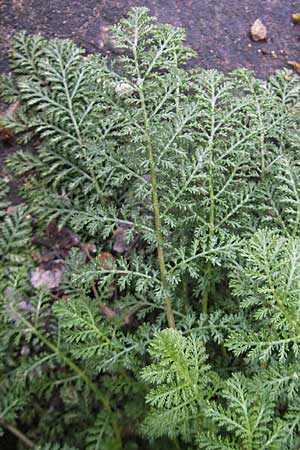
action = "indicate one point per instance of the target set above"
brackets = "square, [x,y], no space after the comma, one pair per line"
[217,29]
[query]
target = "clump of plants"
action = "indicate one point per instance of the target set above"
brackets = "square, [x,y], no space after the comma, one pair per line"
[150,282]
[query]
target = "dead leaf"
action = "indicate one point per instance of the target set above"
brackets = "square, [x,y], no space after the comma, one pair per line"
[14,305]
[258,31]
[44,257]
[9,210]
[296,17]
[89,248]
[120,245]
[106,260]
[271,213]
[12,108]
[25,350]
[49,278]
[107,312]
[7,133]
[64,237]
[295,65]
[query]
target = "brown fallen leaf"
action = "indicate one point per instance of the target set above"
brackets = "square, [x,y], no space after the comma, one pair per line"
[271,213]
[120,244]
[107,312]
[9,210]
[49,278]
[295,65]
[89,248]
[44,257]
[296,17]
[64,237]
[258,31]
[106,260]
[8,133]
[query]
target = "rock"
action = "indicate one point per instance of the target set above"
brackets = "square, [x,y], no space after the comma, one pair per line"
[258,31]
[123,89]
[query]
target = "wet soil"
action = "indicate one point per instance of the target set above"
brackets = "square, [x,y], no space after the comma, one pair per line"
[217,29]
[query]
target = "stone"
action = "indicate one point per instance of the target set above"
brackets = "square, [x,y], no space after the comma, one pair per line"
[258,31]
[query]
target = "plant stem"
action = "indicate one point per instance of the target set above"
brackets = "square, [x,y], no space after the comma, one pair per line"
[176,444]
[185,292]
[70,110]
[16,432]
[73,366]
[155,202]
[211,230]
[280,304]
[206,288]
[160,251]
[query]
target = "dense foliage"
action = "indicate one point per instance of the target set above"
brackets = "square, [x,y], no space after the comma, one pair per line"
[177,322]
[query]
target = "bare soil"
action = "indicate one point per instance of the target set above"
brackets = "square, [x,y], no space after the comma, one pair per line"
[217,29]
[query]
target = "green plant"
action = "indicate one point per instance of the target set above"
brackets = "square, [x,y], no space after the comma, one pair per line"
[187,183]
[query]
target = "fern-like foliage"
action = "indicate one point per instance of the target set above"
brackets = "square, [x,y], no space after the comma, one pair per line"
[104,132]
[248,415]
[180,379]
[268,286]
[188,182]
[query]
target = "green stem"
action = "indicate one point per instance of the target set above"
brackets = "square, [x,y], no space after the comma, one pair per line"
[185,291]
[287,315]
[155,202]
[15,431]
[205,301]
[280,304]
[73,366]
[176,444]
[211,234]
[75,123]
[261,130]
[160,251]
[211,209]
[224,351]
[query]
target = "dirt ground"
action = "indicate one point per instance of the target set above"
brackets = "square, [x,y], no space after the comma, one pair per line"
[217,29]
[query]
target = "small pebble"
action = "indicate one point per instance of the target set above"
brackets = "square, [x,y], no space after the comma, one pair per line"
[258,31]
